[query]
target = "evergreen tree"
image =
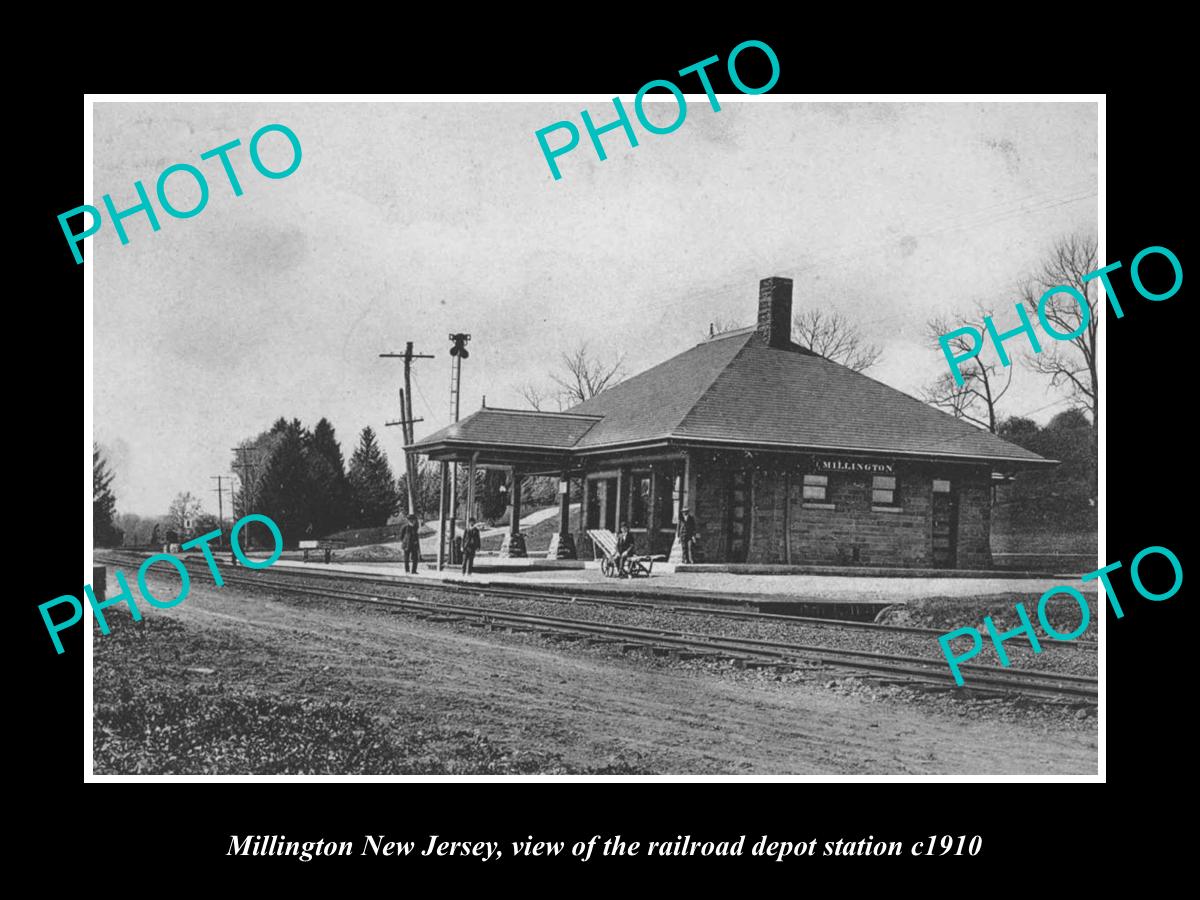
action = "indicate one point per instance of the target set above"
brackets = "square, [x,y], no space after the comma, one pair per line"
[296,477]
[104,504]
[285,491]
[372,487]
[329,476]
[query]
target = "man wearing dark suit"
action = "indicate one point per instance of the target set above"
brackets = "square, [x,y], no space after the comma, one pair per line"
[410,541]
[687,533]
[471,542]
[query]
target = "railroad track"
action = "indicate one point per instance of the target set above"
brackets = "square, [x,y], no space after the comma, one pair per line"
[545,596]
[743,652]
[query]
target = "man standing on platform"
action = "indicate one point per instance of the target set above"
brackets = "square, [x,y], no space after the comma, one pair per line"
[471,542]
[410,541]
[687,533]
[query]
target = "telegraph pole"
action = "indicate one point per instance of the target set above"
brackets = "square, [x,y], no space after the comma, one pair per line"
[221,503]
[245,475]
[406,420]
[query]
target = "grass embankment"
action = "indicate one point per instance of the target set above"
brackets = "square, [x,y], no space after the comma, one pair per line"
[170,699]
[360,548]
[537,537]
[949,613]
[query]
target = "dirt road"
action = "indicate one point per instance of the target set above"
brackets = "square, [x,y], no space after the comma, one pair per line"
[575,709]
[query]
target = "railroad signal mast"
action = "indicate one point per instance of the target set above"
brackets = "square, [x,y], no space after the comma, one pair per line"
[458,352]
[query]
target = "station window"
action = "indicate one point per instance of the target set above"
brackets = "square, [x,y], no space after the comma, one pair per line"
[941,486]
[883,490]
[815,487]
[641,500]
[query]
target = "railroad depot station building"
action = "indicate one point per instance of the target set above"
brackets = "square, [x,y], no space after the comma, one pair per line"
[781,455]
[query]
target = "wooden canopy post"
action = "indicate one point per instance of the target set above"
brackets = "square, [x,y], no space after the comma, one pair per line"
[585,491]
[685,498]
[687,494]
[441,556]
[652,508]
[562,545]
[514,525]
[471,487]
[514,542]
[584,499]
[453,516]
[564,503]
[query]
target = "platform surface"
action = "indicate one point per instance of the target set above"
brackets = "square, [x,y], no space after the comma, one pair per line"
[849,589]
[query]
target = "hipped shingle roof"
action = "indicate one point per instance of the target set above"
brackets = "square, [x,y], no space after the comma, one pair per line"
[736,389]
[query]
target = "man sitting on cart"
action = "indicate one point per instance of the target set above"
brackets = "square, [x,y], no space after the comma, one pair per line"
[624,550]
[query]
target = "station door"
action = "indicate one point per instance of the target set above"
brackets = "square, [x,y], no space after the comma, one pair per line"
[945,527]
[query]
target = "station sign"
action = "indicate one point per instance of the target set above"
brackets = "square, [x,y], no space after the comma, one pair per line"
[835,464]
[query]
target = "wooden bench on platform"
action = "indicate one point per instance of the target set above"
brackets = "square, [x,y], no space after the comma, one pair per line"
[326,545]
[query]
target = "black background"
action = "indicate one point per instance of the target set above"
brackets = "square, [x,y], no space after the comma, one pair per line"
[1150,485]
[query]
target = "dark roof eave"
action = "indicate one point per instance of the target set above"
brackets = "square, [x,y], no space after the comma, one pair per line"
[422,447]
[496,454]
[534,413]
[683,442]
[862,451]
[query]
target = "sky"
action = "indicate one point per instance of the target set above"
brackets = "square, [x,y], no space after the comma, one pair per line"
[409,221]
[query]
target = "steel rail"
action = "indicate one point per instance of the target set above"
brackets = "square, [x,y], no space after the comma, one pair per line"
[988,678]
[548,596]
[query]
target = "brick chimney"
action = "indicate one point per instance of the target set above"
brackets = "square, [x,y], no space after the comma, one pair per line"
[775,311]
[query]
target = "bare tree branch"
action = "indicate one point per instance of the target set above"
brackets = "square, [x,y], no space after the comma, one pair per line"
[976,399]
[1071,363]
[585,375]
[832,336]
[535,395]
